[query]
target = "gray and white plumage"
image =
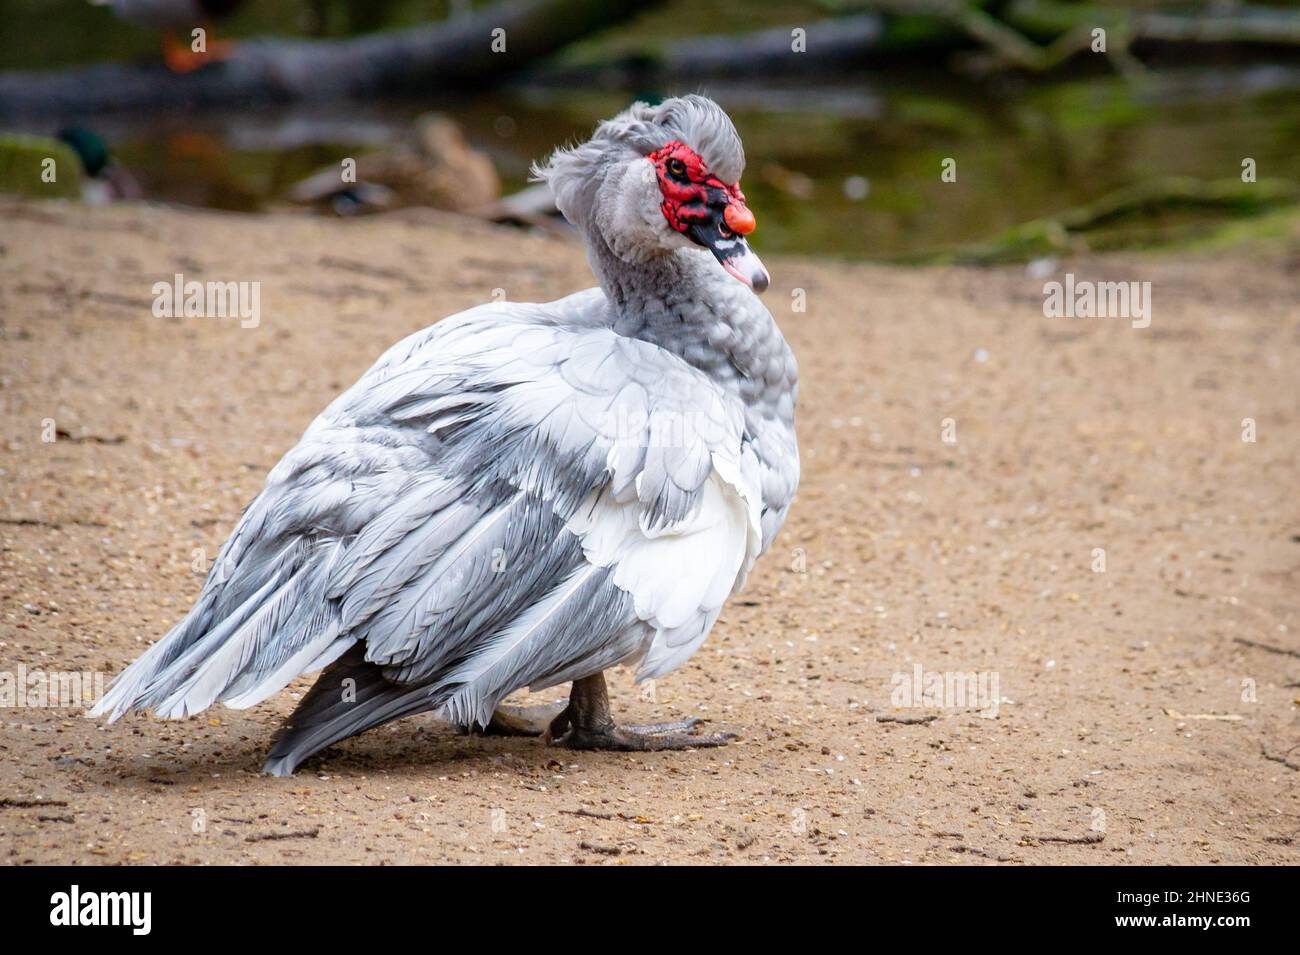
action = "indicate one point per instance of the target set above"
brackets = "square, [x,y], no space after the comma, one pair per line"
[520,495]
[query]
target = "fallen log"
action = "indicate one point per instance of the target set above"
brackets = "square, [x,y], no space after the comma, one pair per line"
[471,50]
[1030,35]
[1039,35]
[1240,24]
[834,45]
[825,45]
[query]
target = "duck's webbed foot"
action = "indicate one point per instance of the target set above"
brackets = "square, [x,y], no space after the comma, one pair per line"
[590,726]
[631,739]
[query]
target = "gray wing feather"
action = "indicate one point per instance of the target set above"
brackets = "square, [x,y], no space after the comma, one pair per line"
[576,619]
[424,513]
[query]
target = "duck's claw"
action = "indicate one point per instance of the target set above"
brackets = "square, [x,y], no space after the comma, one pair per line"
[643,739]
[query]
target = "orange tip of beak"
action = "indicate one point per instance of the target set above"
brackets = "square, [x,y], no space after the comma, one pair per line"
[739,219]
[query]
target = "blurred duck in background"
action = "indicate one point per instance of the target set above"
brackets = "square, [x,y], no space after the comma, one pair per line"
[74,165]
[175,20]
[434,167]
[105,179]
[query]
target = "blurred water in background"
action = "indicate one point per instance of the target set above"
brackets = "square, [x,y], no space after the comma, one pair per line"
[847,167]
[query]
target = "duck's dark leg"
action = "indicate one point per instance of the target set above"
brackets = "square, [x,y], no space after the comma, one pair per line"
[590,725]
[584,722]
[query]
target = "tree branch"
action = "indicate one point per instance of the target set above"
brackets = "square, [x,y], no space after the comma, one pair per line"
[451,54]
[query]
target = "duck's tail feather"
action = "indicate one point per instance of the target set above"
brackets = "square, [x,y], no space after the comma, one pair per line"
[351,696]
[238,653]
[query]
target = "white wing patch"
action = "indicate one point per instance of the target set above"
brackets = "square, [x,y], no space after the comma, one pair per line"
[679,575]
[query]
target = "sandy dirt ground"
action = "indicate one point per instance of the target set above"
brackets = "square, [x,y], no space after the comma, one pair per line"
[1136,706]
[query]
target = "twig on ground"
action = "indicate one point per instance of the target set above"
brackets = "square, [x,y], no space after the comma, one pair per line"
[1263,750]
[587,813]
[1091,839]
[276,836]
[1267,647]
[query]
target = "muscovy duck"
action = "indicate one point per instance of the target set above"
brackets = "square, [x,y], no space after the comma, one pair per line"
[522,494]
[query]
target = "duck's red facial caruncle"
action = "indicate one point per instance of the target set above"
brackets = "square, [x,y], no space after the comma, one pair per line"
[707,211]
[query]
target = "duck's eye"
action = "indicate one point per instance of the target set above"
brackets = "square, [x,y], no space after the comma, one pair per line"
[677,168]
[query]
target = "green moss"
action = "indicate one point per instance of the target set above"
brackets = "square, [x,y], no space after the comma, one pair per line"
[1177,212]
[25,166]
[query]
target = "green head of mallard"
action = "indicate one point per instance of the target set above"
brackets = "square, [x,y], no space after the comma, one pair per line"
[89,147]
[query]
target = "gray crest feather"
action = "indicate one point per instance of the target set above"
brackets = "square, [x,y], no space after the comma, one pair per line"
[575,173]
